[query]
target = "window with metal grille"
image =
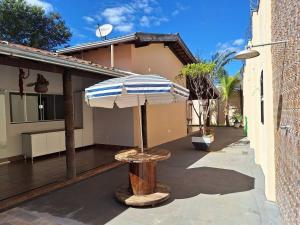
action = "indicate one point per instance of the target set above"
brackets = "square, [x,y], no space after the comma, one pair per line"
[262,97]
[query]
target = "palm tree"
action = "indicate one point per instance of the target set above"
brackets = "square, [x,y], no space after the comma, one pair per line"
[227,85]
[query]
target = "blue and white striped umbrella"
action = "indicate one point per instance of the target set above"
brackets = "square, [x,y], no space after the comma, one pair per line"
[135,90]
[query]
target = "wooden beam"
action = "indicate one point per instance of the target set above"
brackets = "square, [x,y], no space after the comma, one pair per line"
[160,38]
[69,124]
[141,44]
[26,63]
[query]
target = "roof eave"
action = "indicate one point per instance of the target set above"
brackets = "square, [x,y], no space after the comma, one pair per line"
[140,36]
[97,44]
[15,52]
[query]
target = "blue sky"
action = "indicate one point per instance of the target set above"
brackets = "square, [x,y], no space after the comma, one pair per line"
[206,26]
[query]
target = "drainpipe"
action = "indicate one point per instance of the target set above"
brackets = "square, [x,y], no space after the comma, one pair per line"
[112,58]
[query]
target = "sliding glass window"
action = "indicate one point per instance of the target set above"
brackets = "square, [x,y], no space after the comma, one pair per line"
[36,107]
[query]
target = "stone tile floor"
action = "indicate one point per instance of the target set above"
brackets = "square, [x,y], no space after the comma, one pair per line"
[223,187]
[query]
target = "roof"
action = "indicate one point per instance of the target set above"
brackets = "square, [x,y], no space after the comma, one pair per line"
[29,53]
[173,41]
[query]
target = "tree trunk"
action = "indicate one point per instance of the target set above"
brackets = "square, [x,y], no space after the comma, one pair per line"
[204,120]
[241,100]
[227,114]
[200,120]
[208,115]
[69,124]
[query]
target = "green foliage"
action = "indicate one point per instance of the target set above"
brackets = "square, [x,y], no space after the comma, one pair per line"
[197,69]
[29,25]
[237,118]
[227,85]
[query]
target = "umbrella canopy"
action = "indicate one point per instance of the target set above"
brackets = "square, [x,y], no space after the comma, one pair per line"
[135,90]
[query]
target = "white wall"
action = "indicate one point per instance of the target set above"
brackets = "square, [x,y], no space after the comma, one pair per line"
[217,106]
[3,136]
[9,81]
[261,136]
[114,126]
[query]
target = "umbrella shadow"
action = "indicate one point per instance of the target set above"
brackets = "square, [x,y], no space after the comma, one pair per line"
[207,180]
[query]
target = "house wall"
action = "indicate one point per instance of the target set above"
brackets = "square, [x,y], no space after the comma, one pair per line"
[9,82]
[260,134]
[3,135]
[286,86]
[217,115]
[122,56]
[113,126]
[164,122]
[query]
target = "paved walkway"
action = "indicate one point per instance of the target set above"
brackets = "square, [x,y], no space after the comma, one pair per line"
[223,187]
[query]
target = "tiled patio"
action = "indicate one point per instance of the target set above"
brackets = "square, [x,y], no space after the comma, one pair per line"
[223,187]
[18,177]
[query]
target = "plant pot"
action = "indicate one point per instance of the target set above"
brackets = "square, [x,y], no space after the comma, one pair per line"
[202,143]
[41,88]
[237,125]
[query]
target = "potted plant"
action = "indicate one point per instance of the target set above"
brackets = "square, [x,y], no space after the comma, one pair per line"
[200,79]
[198,76]
[237,120]
[41,84]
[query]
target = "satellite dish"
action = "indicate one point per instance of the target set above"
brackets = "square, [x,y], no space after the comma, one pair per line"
[104,30]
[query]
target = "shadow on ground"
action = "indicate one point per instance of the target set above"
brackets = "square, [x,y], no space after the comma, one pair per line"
[189,182]
[92,201]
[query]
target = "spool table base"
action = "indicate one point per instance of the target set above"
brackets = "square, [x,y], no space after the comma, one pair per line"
[125,196]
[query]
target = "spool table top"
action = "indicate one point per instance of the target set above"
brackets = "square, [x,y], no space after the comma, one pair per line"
[136,156]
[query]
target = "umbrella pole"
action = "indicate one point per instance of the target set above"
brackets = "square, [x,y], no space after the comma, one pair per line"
[141,126]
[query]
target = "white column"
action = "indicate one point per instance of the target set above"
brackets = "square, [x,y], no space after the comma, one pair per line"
[112,56]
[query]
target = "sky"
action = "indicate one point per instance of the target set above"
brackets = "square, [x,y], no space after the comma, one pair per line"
[206,26]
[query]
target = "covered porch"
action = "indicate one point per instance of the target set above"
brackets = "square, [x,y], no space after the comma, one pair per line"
[19,177]
[46,128]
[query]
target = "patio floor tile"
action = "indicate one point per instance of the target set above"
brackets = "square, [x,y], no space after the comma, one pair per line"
[222,187]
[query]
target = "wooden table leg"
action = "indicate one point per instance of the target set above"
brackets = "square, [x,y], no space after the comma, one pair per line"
[142,177]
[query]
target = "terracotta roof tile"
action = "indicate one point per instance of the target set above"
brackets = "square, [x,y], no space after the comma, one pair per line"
[53,54]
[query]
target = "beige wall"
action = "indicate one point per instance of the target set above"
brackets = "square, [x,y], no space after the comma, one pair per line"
[122,55]
[217,110]
[261,135]
[234,107]
[164,122]
[112,126]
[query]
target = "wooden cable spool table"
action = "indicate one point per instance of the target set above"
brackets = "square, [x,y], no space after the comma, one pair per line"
[143,188]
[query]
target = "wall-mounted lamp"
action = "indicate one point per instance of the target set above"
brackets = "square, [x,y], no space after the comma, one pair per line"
[249,53]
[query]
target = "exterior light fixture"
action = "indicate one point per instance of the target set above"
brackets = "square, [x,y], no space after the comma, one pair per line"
[246,54]
[249,53]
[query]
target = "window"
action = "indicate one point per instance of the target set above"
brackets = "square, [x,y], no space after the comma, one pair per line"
[32,107]
[59,109]
[46,107]
[36,107]
[17,108]
[262,119]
